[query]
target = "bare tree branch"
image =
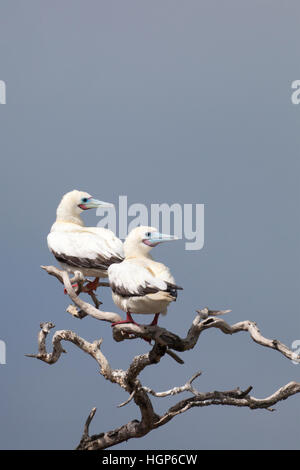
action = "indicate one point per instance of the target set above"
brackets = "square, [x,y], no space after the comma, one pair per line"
[85,306]
[88,422]
[53,271]
[204,320]
[229,399]
[129,399]
[174,391]
[173,341]
[165,342]
[128,380]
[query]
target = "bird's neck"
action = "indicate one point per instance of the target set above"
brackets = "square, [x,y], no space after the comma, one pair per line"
[136,253]
[63,215]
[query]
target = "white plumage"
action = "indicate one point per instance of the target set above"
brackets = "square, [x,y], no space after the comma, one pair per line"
[139,284]
[90,250]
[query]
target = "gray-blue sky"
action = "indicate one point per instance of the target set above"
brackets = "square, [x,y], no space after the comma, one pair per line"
[164,101]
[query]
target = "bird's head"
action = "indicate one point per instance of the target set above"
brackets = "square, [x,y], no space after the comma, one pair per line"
[74,202]
[142,239]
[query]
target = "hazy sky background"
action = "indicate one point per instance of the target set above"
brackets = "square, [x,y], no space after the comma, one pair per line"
[162,101]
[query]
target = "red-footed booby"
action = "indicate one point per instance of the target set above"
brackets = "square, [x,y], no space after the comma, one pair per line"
[139,284]
[90,250]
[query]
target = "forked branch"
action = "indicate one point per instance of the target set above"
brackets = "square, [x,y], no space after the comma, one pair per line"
[165,342]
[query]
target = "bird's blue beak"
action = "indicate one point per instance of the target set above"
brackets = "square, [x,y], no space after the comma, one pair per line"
[92,203]
[156,237]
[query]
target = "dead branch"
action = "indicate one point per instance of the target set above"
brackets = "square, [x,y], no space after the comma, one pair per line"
[204,320]
[165,342]
[87,308]
[174,391]
[173,341]
[128,380]
[53,271]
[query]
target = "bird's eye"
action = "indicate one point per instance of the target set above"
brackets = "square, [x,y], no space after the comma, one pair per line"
[148,234]
[84,199]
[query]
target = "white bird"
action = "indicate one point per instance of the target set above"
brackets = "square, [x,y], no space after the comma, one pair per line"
[90,250]
[139,284]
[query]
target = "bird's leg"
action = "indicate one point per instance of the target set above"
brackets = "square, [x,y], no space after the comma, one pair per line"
[129,319]
[75,286]
[155,320]
[92,285]
[94,299]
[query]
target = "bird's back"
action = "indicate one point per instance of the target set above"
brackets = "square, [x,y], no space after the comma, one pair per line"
[78,246]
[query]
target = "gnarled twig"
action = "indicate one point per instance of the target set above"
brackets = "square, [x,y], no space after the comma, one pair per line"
[165,342]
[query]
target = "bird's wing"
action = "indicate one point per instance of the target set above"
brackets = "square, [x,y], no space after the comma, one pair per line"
[112,242]
[131,279]
[164,273]
[84,249]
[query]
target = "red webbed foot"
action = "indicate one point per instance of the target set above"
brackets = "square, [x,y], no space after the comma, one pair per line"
[129,319]
[91,286]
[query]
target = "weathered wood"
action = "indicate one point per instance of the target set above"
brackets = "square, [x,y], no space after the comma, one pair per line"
[165,342]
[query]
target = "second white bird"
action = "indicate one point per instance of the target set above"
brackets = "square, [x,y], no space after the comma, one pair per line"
[139,284]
